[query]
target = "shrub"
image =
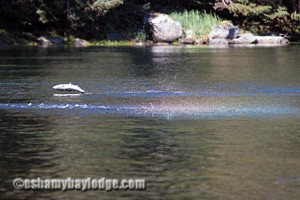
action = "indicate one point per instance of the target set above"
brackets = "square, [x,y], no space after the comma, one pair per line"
[263,17]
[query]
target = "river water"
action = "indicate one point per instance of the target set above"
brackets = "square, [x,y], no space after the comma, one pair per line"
[194,122]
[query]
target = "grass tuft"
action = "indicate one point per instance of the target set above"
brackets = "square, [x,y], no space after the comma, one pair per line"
[112,43]
[199,23]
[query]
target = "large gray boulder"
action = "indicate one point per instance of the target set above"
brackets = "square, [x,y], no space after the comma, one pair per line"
[162,28]
[224,31]
[247,38]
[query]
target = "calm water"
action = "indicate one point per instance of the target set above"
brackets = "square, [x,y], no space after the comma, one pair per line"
[196,123]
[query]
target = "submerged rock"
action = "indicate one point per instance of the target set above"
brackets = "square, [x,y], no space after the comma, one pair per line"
[272,40]
[162,28]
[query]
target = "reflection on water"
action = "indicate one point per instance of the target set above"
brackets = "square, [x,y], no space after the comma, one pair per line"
[196,123]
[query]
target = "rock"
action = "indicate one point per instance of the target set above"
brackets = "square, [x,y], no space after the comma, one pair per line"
[189,33]
[80,42]
[218,41]
[186,41]
[50,40]
[224,31]
[6,42]
[43,41]
[162,28]
[247,38]
[200,41]
[272,40]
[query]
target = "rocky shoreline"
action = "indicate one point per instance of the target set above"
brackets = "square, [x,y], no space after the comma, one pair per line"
[161,29]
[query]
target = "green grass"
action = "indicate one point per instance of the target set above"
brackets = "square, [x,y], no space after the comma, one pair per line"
[112,43]
[200,23]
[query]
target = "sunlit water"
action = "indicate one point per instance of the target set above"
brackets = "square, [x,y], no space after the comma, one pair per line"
[196,123]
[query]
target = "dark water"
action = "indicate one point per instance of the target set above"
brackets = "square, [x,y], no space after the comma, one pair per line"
[196,123]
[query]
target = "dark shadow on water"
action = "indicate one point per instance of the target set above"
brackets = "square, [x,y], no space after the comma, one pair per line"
[25,149]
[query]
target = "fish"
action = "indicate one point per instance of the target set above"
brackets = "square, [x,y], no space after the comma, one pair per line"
[68,87]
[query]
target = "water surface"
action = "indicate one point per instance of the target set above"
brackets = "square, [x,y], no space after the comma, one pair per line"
[196,123]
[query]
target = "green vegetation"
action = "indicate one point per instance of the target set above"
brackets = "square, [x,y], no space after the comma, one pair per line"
[112,43]
[196,22]
[25,20]
[267,16]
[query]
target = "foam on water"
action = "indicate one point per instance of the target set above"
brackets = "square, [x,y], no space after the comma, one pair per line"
[165,111]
